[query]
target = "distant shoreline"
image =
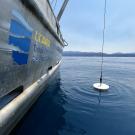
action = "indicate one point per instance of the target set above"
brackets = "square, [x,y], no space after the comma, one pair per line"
[96,54]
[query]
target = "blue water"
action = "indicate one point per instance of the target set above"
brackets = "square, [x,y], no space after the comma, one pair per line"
[71,106]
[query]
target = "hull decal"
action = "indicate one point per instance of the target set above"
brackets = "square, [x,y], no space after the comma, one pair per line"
[21,34]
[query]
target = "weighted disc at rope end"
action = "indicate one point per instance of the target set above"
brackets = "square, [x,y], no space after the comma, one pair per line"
[101,87]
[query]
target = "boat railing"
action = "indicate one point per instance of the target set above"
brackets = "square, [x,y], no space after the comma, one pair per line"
[45,10]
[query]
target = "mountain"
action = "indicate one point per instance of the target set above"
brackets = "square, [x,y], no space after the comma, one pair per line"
[96,54]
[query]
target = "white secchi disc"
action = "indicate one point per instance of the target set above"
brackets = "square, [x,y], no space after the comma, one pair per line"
[101,86]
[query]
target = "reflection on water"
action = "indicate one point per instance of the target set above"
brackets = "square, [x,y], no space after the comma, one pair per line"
[71,106]
[46,116]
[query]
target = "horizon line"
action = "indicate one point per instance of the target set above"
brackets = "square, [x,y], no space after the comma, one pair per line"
[101,52]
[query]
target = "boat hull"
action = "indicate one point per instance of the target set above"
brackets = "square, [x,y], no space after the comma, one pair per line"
[30,43]
[13,112]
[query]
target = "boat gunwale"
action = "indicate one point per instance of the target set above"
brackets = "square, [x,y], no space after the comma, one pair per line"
[39,14]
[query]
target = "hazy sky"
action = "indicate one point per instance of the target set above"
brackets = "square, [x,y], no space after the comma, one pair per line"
[82,25]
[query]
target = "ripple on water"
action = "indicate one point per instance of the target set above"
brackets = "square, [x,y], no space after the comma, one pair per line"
[86,99]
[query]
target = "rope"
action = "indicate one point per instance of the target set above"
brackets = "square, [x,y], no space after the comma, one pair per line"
[55,5]
[52,2]
[103,42]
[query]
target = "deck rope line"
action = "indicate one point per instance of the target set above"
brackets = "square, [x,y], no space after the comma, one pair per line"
[103,42]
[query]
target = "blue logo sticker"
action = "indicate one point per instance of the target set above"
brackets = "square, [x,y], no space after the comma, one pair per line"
[20,36]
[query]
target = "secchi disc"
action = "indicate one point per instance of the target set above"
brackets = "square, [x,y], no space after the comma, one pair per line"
[101,86]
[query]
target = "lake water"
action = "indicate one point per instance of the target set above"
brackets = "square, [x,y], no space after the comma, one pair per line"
[71,106]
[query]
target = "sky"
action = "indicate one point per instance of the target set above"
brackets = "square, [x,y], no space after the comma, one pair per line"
[82,25]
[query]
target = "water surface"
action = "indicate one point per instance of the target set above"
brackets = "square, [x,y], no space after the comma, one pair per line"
[71,106]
